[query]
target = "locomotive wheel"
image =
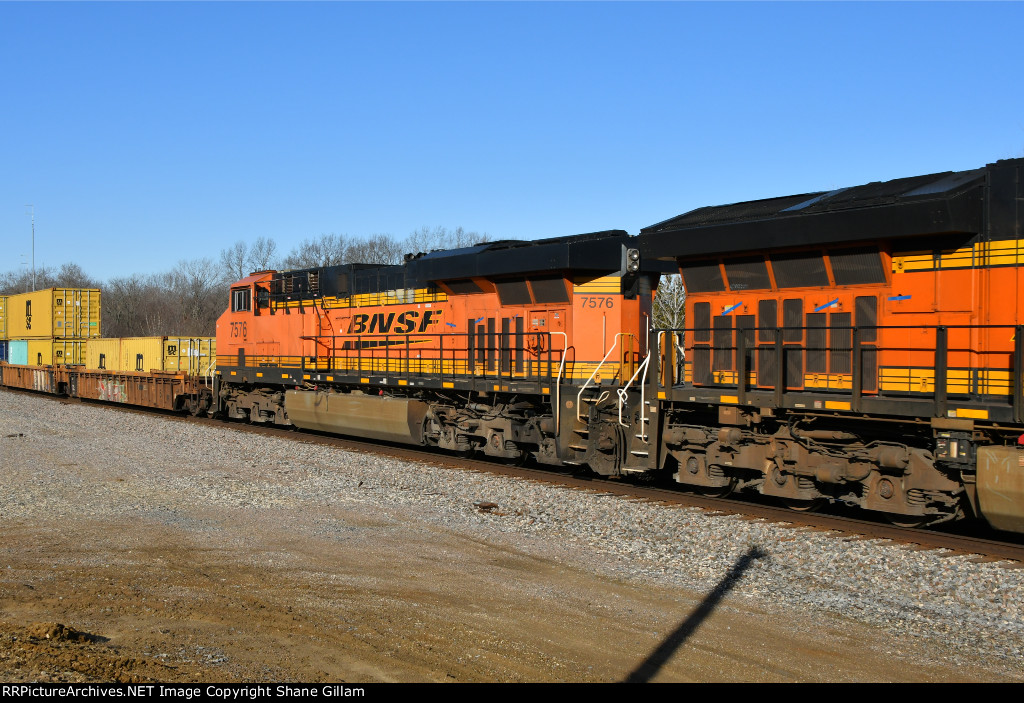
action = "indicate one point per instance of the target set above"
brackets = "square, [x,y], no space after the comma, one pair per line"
[803,506]
[909,521]
[717,491]
[524,456]
[606,449]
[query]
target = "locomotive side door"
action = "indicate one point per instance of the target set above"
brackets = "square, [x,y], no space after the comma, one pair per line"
[537,341]
[540,338]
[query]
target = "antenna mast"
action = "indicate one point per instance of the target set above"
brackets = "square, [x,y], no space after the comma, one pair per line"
[33,245]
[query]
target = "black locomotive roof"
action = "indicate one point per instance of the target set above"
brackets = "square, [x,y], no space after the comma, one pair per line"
[595,251]
[602,252]
[938,203]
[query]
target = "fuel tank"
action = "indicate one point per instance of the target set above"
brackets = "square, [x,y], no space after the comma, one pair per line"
[370,416]
[1001,487]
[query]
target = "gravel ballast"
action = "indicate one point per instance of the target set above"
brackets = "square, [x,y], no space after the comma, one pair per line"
[960,611]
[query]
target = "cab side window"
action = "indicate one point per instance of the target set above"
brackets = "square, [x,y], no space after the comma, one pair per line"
[241,300]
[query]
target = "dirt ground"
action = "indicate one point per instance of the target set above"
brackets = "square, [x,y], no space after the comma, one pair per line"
[114,570]
[87,600]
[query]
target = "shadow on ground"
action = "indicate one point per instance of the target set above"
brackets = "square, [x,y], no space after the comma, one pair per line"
[650,666]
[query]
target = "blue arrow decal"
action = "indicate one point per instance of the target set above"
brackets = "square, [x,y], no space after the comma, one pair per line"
[729,310]
[826,305]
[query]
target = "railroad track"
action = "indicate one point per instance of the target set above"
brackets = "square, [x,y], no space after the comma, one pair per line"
[975,540]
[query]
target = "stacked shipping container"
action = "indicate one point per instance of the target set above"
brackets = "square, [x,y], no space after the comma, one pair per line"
[57,313]
[62,326]
[49,326]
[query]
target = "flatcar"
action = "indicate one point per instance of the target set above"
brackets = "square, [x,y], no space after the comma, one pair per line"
[862,345]
[500,348]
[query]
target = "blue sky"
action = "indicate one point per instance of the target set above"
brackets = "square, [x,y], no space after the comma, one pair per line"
[152,132]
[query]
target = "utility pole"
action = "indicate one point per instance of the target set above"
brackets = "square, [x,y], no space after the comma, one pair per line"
[33,246]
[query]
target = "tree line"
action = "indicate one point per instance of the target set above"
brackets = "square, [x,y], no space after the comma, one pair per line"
[188,299]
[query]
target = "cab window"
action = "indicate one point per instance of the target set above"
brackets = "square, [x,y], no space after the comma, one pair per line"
[241,300]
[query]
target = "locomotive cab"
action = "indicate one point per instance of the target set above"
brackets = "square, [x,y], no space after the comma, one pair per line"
[247,300]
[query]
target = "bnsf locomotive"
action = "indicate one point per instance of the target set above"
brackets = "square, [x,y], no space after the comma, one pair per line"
[498,348]
[863,345]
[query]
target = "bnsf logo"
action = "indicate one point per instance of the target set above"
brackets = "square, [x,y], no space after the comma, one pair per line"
[403,323]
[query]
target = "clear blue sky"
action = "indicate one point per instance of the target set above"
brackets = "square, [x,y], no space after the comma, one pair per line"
[152,132]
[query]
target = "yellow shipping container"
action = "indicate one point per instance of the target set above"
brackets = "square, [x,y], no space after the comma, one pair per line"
[196,355]
[47,352]
[193,355]
[65,313]
[142,354]
[103,353]
[3,317]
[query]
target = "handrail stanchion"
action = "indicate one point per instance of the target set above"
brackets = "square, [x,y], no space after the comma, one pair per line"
[780,369]
[1018,373]
[857,382]
[558,382]
[941,369]
[741,366]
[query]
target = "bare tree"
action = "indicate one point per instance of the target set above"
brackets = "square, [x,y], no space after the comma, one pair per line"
[325,250]
[234,261]
[262,253]
[669,303]
[380,249]
[71,275]
[199,296]
[462,238]
[670,313]
[20,281]
[122,306]
[241,259]
[426,239]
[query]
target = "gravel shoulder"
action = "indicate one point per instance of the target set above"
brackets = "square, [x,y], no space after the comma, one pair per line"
[138,548]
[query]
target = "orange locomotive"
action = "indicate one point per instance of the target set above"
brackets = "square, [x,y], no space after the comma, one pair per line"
[862,345]
[470,349]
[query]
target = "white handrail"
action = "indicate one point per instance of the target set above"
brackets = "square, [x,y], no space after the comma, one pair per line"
[644,367]
[558,382]
[643,400]
[623,392]
[579,395]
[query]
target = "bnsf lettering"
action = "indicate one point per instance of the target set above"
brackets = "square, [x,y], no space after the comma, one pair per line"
[381,323]
[407,321]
